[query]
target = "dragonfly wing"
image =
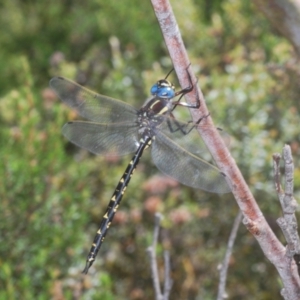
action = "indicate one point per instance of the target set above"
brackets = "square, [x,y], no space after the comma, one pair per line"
[90,105]
[105,139]
[187,136]
[185,167]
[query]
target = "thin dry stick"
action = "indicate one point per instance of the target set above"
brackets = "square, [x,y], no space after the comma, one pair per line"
[287,223]
[154,268]
[168,280]
[284,16]
[253,217]
[225,263]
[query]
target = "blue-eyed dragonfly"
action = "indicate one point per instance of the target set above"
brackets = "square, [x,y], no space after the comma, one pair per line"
[117,128]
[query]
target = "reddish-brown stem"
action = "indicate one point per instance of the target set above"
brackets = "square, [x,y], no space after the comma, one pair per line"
[253,217]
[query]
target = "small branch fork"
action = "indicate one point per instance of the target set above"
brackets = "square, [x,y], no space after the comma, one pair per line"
[154,268]
[254,219]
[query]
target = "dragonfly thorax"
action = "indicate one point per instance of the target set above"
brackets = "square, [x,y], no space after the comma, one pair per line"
[148,122]
[152,114]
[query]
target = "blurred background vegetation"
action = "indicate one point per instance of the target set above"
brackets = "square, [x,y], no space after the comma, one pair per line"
[53,194]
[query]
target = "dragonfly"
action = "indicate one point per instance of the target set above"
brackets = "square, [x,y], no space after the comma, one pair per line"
[116,128]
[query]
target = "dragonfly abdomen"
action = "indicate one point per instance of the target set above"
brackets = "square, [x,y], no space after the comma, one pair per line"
[114,204]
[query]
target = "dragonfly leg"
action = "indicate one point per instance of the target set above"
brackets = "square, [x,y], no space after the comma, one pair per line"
[184,128]
[185,91]
[188,88]
[169,73]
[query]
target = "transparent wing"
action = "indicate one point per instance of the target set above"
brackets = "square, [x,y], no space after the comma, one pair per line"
[90,105]
[105,139]
[185,167]
[187,136]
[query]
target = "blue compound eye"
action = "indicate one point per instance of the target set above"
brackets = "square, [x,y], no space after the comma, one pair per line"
[163,89]
[154,89]
[165,92]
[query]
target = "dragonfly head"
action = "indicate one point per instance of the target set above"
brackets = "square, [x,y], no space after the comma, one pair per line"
[163,89]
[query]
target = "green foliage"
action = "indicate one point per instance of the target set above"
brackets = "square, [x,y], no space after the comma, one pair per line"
[54,194]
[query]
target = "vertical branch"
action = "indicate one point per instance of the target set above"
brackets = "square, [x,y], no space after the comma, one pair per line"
[225,263]
[284,16]
[287,223]
[152,254]
[253,217]
[168,280]
[153,263]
